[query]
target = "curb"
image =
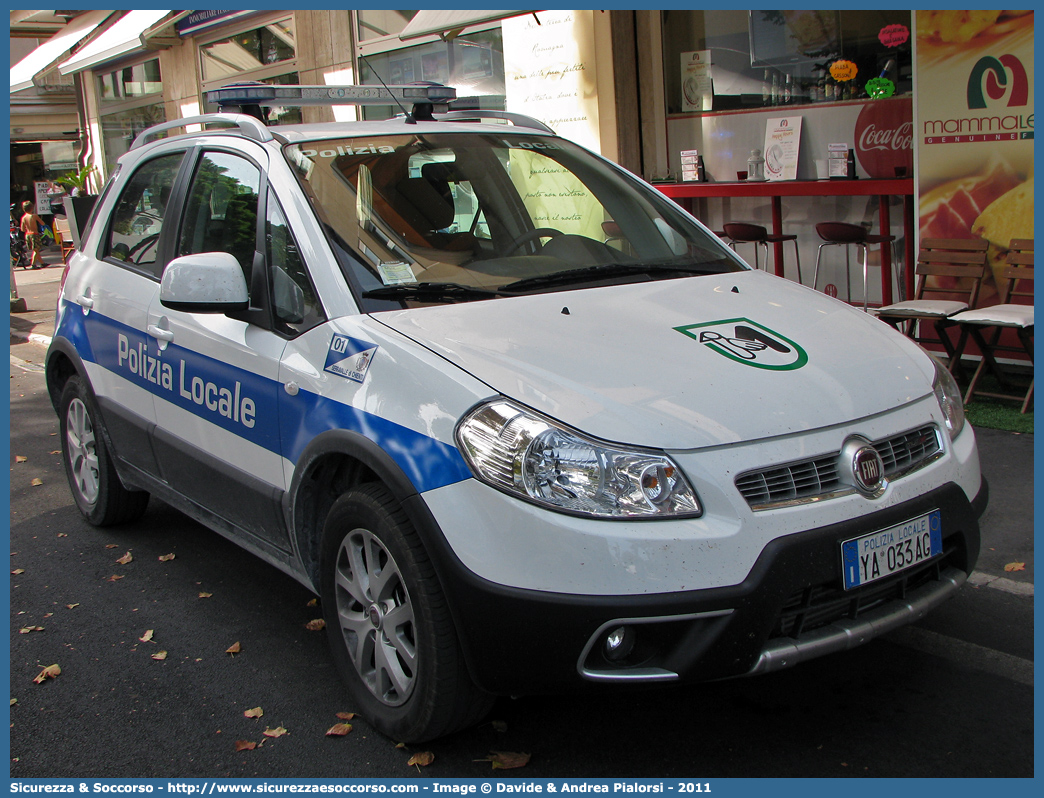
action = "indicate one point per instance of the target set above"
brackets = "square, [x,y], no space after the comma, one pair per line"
[32,338]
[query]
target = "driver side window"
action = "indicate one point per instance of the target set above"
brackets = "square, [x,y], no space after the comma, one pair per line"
[137,219]
[221,211]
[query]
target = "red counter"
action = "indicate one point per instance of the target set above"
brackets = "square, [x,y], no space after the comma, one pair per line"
[776,190]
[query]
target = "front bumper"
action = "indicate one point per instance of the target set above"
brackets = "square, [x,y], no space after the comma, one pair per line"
[790,607]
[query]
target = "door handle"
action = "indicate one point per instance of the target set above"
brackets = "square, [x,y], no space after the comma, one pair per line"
[160,333]
[85,302]
[163,336]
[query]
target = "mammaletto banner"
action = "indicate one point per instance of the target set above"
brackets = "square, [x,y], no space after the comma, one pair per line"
[975,127]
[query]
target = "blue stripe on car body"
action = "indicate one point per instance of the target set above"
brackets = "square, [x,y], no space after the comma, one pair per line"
[246,404]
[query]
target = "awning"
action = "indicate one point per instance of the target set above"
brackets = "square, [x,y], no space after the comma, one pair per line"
[44,57]
[425,23]
[123,38]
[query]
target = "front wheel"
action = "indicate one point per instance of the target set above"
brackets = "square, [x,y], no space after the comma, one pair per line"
[390,629]
[95,485]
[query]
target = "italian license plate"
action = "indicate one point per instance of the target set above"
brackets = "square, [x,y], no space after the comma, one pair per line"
[877,555]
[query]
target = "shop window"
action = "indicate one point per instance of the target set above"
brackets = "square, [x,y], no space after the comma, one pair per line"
[381,23]
[473,64]
[266,53]
[249,51]
[727,60]
[130,83]
[130,99]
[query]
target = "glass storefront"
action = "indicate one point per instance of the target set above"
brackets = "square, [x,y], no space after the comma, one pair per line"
[472,63]
[381,23]
[248,51]
[728,60]
[130,83]
[130,99]
[265,52]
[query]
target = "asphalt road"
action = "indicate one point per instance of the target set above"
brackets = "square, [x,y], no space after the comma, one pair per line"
[950,697]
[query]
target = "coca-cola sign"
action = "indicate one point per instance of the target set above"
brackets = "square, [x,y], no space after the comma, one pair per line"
[884,137]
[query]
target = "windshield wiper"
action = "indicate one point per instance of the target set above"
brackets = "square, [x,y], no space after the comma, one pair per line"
[431,291]
[588,273]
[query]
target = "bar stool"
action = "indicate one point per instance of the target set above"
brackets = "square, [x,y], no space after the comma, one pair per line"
[744,233]
[842,234]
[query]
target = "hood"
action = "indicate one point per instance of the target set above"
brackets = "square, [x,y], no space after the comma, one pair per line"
[680,364]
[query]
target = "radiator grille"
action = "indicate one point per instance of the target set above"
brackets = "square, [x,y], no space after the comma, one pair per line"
[819,477]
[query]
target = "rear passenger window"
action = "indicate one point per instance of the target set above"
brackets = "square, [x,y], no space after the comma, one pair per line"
[221,211]
[140,211]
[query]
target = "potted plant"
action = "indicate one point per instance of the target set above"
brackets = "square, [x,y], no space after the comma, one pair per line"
[79,201]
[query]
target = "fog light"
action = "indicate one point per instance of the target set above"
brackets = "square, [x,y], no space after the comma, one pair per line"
[619,643]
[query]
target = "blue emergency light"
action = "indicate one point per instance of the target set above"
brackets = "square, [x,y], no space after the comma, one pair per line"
[425,97]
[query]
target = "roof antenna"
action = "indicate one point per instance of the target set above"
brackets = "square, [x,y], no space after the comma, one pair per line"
[409,117]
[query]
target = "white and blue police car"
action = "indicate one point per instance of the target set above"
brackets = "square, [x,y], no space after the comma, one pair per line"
[522,423]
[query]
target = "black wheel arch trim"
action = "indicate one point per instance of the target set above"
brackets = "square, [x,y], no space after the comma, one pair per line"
[306,527]
[62,347]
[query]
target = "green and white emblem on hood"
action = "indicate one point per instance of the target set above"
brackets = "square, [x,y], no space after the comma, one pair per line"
[749,343]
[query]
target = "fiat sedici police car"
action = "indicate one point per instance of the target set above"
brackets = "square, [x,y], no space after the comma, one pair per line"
[522,423]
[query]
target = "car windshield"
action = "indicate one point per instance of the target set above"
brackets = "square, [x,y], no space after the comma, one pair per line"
[455,216]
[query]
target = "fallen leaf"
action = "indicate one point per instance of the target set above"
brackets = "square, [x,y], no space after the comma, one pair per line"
[400,745]
[346,715]
[27,629]
[278,731]
[126,558]
[50,672]
[37,482]
[160,655]
[20,459]
[72,606]
[14,701]
[422,758]
[63,535]
[56,451]
[315,625]
[256,712]
[112,545]
[245,745]
[145,638]
[113,578]
[17,571]
[48,614]
[313,603]
[339,730]
[506,760]
[1015,566]
[235,648]
[165,557]
[205,595]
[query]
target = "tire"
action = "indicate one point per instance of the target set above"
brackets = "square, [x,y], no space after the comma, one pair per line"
[390,629]
[95,485]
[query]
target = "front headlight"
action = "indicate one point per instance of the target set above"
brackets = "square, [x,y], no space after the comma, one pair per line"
[530,456]
[950,400]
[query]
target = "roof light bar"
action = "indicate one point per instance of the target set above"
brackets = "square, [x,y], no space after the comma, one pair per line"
[240,94]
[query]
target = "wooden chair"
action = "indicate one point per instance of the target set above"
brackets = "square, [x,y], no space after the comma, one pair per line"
[63,234]
[935,303]
[1014,313]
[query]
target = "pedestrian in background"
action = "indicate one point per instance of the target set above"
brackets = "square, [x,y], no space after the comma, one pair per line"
[32,225]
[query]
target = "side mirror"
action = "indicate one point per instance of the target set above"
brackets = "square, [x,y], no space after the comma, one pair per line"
[208,282]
